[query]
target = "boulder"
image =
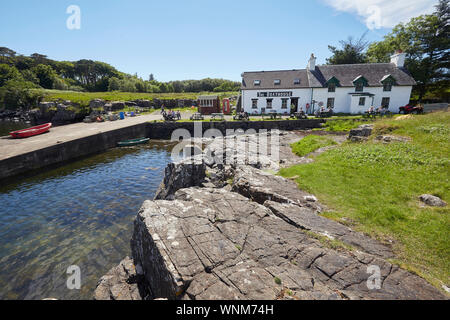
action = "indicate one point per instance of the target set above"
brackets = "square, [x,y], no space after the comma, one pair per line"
[97,103]
[143,103]
[432,201]
[391,138]
[364,130]
[117,105]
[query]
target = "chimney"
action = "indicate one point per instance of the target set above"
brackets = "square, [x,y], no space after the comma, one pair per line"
[398,58]
[312,63]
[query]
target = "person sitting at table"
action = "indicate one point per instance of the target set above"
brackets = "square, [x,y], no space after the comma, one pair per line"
[371,109]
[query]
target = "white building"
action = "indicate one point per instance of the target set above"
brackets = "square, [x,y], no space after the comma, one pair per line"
[351,88]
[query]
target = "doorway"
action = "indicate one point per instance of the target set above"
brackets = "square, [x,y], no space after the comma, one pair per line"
[294,101]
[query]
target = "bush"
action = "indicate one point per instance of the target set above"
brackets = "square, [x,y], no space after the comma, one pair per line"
[16,94]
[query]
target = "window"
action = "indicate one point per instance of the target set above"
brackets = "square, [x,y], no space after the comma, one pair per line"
[296,81]
[269,103]
[277,82]
[385,102]
[254,103]
[257,82]
[330,103]
[284,103]
[359,87]
[331,87]
[387,87]
[362,101]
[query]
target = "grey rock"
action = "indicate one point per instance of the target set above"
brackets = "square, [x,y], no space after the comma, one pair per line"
[97,103]
[121,283]
[117,105]
[364,130]
[184,174]
[432,201]
[391,138]
[213,244]
[307,219]
[261,186]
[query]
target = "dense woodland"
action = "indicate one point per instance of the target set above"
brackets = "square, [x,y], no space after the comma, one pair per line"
[425,39]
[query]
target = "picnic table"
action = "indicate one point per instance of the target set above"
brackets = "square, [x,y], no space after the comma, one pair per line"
[241,116]
[299,115]
[324,114]
[217,116]
[197,116]
[273,115]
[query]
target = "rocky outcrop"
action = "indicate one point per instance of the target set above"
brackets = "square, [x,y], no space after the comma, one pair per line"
[261,186]
[123,282]
[258,238]
[361,133]
[216,244]
[184,174]
[97,103]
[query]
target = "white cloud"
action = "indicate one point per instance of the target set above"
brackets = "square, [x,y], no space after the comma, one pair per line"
[378,14]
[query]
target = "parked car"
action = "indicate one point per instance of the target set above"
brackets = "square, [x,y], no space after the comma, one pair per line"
[408,109]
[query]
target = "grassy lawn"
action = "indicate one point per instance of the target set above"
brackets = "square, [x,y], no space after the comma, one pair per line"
[341,125]
[311,143]
[375,188]
[83,98]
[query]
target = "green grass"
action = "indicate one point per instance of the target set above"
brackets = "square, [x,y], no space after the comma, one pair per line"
[377,186]
[310,144]
[341,125]
[83,98]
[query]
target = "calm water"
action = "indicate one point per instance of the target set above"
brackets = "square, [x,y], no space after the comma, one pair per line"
[79,214]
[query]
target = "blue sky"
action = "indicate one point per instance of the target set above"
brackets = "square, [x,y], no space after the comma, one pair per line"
[194,39]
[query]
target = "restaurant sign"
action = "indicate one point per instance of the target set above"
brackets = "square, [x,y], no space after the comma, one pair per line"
[274,94]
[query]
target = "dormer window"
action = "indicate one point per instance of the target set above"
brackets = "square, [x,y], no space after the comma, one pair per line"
[332,83]
[359,87]
[331,87]
[360,82]
[387,87]
[296,81]
[388,81]
[257,82]
[277,82]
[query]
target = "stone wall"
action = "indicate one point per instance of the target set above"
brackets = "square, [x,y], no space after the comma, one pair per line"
[69,150]
[163,130]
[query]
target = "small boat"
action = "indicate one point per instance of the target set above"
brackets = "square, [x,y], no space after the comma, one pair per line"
[133,142]
[33,131]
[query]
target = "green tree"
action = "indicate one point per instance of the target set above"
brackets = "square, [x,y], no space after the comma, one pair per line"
[7,73]
[114,84]
[17,94]
[425,40]
[45,74]
[351,51]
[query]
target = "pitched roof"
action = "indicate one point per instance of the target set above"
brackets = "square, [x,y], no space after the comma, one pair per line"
[345,73]
[373,72]
[267,79]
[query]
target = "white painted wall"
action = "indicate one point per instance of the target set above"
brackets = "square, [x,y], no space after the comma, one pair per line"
[303,94]
[344,103]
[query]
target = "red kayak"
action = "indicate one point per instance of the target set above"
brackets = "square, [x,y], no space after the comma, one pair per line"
[33,131]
